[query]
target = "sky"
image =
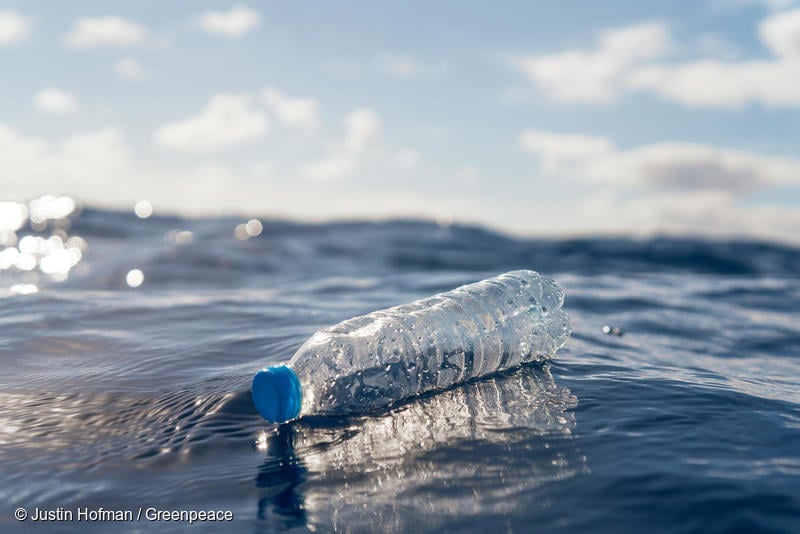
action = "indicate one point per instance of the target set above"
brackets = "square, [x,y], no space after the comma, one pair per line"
[534,118]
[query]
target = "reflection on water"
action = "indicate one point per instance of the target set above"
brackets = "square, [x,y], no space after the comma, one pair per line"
[470,450]
[86,430]
[278,480]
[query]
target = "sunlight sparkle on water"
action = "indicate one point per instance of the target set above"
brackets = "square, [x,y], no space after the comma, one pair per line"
[26,261]
[24,289]
[12,216]
[54,255]
[245,231]
[50,207]
[253,227]
[134,278]
[179,237]
[143,209]
[262,441]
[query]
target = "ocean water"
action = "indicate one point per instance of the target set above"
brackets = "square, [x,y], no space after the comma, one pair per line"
[127,346]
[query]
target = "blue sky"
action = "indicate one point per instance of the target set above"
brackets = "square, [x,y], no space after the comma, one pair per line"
[535,118]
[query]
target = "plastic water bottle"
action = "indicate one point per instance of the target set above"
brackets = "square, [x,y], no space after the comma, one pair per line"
[371,362]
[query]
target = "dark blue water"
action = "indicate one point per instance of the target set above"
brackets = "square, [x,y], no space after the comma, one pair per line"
[138,397]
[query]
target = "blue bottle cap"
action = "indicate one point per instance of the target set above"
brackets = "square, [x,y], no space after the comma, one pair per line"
[276,394]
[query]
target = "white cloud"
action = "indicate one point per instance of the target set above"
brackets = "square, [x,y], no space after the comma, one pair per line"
[227,120]
[91,32]
[363,129]
[667,166]
[302,113]
[561,152]
[81,161]
[781,33]
[717,84]
[595,75]
[662,188]
[631,59]
[331,168]
[713,83]
[55,101]
[129,69]
[15,148]
[361,152]
[685,166]
[98,167]
[13,27]
[713,213]
[235,22]
[104,149]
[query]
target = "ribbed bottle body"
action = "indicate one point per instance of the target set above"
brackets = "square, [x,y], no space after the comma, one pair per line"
[375,360]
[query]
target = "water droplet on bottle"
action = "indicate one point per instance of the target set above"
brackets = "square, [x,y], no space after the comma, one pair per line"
[478,328]
[612,330]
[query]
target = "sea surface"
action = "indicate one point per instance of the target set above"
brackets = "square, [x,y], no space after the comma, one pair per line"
[127,346]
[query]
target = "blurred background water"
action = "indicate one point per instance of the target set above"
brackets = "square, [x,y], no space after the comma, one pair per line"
[127,343]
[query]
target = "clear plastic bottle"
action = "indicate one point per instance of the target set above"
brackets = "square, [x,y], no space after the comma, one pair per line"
[373,361]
